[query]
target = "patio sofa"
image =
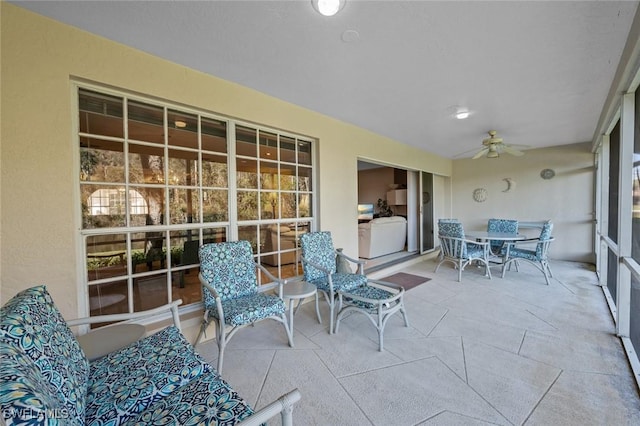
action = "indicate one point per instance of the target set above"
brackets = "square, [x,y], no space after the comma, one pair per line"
[381,236]
[45,378]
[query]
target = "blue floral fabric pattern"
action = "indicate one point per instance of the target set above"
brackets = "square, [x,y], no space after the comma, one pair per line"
[209,400]
[32,328]
[369,292]
[124,383]
[507,226]
[229,268]
[26,396]
[317,247]
[245,310]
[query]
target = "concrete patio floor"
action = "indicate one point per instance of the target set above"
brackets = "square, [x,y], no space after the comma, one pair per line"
[510,351]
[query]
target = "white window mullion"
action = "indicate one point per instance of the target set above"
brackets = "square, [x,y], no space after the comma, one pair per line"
[232,181]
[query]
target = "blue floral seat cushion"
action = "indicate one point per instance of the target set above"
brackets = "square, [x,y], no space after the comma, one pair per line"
[524,254]
[474,251]
[124,383]
[369,292]
[208,400]
[248,309]
[32,324]
[341,282]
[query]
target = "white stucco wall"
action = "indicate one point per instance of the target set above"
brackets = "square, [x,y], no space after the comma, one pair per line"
[567,199]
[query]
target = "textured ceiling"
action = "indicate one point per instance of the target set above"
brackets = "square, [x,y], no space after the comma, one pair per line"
[537,72]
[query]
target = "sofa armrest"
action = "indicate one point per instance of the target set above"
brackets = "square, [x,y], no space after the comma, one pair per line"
[283,405]
[173,307]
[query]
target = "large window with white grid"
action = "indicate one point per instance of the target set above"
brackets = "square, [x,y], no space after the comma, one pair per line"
[159,180]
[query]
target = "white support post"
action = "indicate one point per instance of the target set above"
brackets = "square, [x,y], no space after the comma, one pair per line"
[625,211]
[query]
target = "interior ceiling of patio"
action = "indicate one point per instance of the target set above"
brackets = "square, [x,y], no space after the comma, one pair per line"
[537,72]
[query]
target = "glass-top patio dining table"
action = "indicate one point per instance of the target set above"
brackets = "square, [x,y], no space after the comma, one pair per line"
[495,236]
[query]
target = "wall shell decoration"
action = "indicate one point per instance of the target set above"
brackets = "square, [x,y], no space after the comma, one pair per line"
[547,174]
[480,195]
[511,184]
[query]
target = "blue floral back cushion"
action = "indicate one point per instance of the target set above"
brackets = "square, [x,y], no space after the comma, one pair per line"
[229,268]
[317,247]
[33,329]
[26,396]
[209,400]
[124,383]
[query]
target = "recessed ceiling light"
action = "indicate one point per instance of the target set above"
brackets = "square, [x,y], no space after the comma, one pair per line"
[461,115]
[328,7]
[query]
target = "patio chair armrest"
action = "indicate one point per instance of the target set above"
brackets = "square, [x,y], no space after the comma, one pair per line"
[275,281]
[169,307]
[283,405]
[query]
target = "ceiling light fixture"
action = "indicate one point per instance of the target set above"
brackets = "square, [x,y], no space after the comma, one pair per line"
[180,124]
[328,7]
[462,114]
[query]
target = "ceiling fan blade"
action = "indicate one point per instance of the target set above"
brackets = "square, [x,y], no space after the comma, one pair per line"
[512,151]
[480,153]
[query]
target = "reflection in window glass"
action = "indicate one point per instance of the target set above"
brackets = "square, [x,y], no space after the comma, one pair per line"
[154,185]
[288,177]
[304,152]
[183,129]
[214,170]
[146,164]
[249,233]
[268,146]
[146,122]
[100,114]
[247,174]
[101,161]
[247,205]
[287,149]
[246,142]
[215,205]
[184,205]
[109,298]
[213,135]
[183,168]
[268,175]
[304,179]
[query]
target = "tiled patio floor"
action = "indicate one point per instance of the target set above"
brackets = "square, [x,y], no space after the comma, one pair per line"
[501,351]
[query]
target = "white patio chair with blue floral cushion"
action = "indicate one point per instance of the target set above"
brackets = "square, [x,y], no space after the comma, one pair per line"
[455,248]
[319,266]
[537,256]
[232,296]
[507,226]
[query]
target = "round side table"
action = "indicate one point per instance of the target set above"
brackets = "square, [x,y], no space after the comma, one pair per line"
[299,290]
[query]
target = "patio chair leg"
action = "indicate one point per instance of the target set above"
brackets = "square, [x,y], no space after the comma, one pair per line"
[222,342]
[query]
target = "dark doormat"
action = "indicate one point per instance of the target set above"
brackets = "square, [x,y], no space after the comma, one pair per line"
[408,281]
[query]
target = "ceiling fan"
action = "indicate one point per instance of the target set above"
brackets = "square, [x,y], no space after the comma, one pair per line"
[493,146]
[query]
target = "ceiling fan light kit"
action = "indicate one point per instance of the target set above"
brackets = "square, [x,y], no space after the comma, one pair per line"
[493,146]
